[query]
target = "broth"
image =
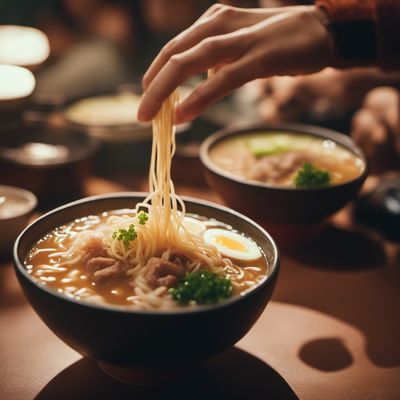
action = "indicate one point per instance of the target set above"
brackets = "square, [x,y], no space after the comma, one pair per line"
[276,158]
[71,279]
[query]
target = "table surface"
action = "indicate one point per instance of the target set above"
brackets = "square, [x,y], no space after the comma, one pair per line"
[331,330]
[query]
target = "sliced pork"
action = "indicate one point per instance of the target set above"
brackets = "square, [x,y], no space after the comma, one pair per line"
[160,272]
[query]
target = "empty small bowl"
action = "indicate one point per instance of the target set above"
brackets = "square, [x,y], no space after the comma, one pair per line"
[143,346]
[280,205]
[16,206]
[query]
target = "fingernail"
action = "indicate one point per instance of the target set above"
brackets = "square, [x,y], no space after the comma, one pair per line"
[181,116]
[178,118]
[143,116]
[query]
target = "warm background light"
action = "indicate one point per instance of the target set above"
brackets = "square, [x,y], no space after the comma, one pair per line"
[21,45]
[15,82]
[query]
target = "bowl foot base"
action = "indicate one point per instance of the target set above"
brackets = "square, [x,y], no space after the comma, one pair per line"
[144,377]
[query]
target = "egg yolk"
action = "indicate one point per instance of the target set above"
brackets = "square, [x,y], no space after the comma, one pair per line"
[229,243]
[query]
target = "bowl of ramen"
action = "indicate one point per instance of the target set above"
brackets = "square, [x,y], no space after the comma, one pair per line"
[143,298]
[284,174]
[110,117]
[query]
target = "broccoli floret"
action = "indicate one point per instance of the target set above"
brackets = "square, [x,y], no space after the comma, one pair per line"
[202,287]
[310,177]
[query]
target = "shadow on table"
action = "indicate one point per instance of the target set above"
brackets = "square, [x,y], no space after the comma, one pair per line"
[338,249]
[234,374]
[10,292]
[346,274]
[327,354]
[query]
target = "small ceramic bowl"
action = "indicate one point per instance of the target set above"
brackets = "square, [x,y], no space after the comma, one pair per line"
[276,204]
[50,162]
[16,206]
[143,346]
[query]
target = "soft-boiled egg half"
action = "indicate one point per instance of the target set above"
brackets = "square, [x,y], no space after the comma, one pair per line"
[232,244]
[193,226]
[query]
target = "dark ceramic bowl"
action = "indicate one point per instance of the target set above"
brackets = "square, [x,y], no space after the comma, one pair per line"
[51,162]
[280,205]
[133,131]
[124,146]
[124,339]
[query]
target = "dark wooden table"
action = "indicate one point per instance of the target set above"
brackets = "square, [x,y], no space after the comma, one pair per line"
[331,330]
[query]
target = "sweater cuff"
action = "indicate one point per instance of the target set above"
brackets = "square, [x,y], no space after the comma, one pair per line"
[388,13]
[353,26]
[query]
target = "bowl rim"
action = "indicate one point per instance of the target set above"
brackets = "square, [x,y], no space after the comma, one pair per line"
[274,268]
[287,127]
[26,194]
[91,144]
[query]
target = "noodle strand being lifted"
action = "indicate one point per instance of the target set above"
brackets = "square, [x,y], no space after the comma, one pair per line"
[163,234]
[148,254]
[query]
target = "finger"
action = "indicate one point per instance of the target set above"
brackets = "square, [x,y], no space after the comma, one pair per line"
[224,81]
[208,53]
[204,27]
[217,20]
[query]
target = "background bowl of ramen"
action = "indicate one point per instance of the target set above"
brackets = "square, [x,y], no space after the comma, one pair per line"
[50,162]
[110,117]
[122,339]
[279,205]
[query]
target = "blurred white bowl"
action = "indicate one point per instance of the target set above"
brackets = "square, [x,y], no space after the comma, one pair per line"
[16,206]
[23,45]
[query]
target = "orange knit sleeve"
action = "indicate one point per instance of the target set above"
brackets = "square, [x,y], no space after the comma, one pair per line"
[353,26]
[348,10]
[388,33]
[367,31]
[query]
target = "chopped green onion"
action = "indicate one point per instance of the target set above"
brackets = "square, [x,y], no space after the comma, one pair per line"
[126,235]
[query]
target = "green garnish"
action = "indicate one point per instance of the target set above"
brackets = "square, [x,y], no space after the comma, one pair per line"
[126,235]
[261,145]
[142,217]
[202,287]
[311,177]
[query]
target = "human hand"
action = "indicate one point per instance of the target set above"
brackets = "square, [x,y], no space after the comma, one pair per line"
[241,45]
[376,128]
[315,97]
[328,95]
